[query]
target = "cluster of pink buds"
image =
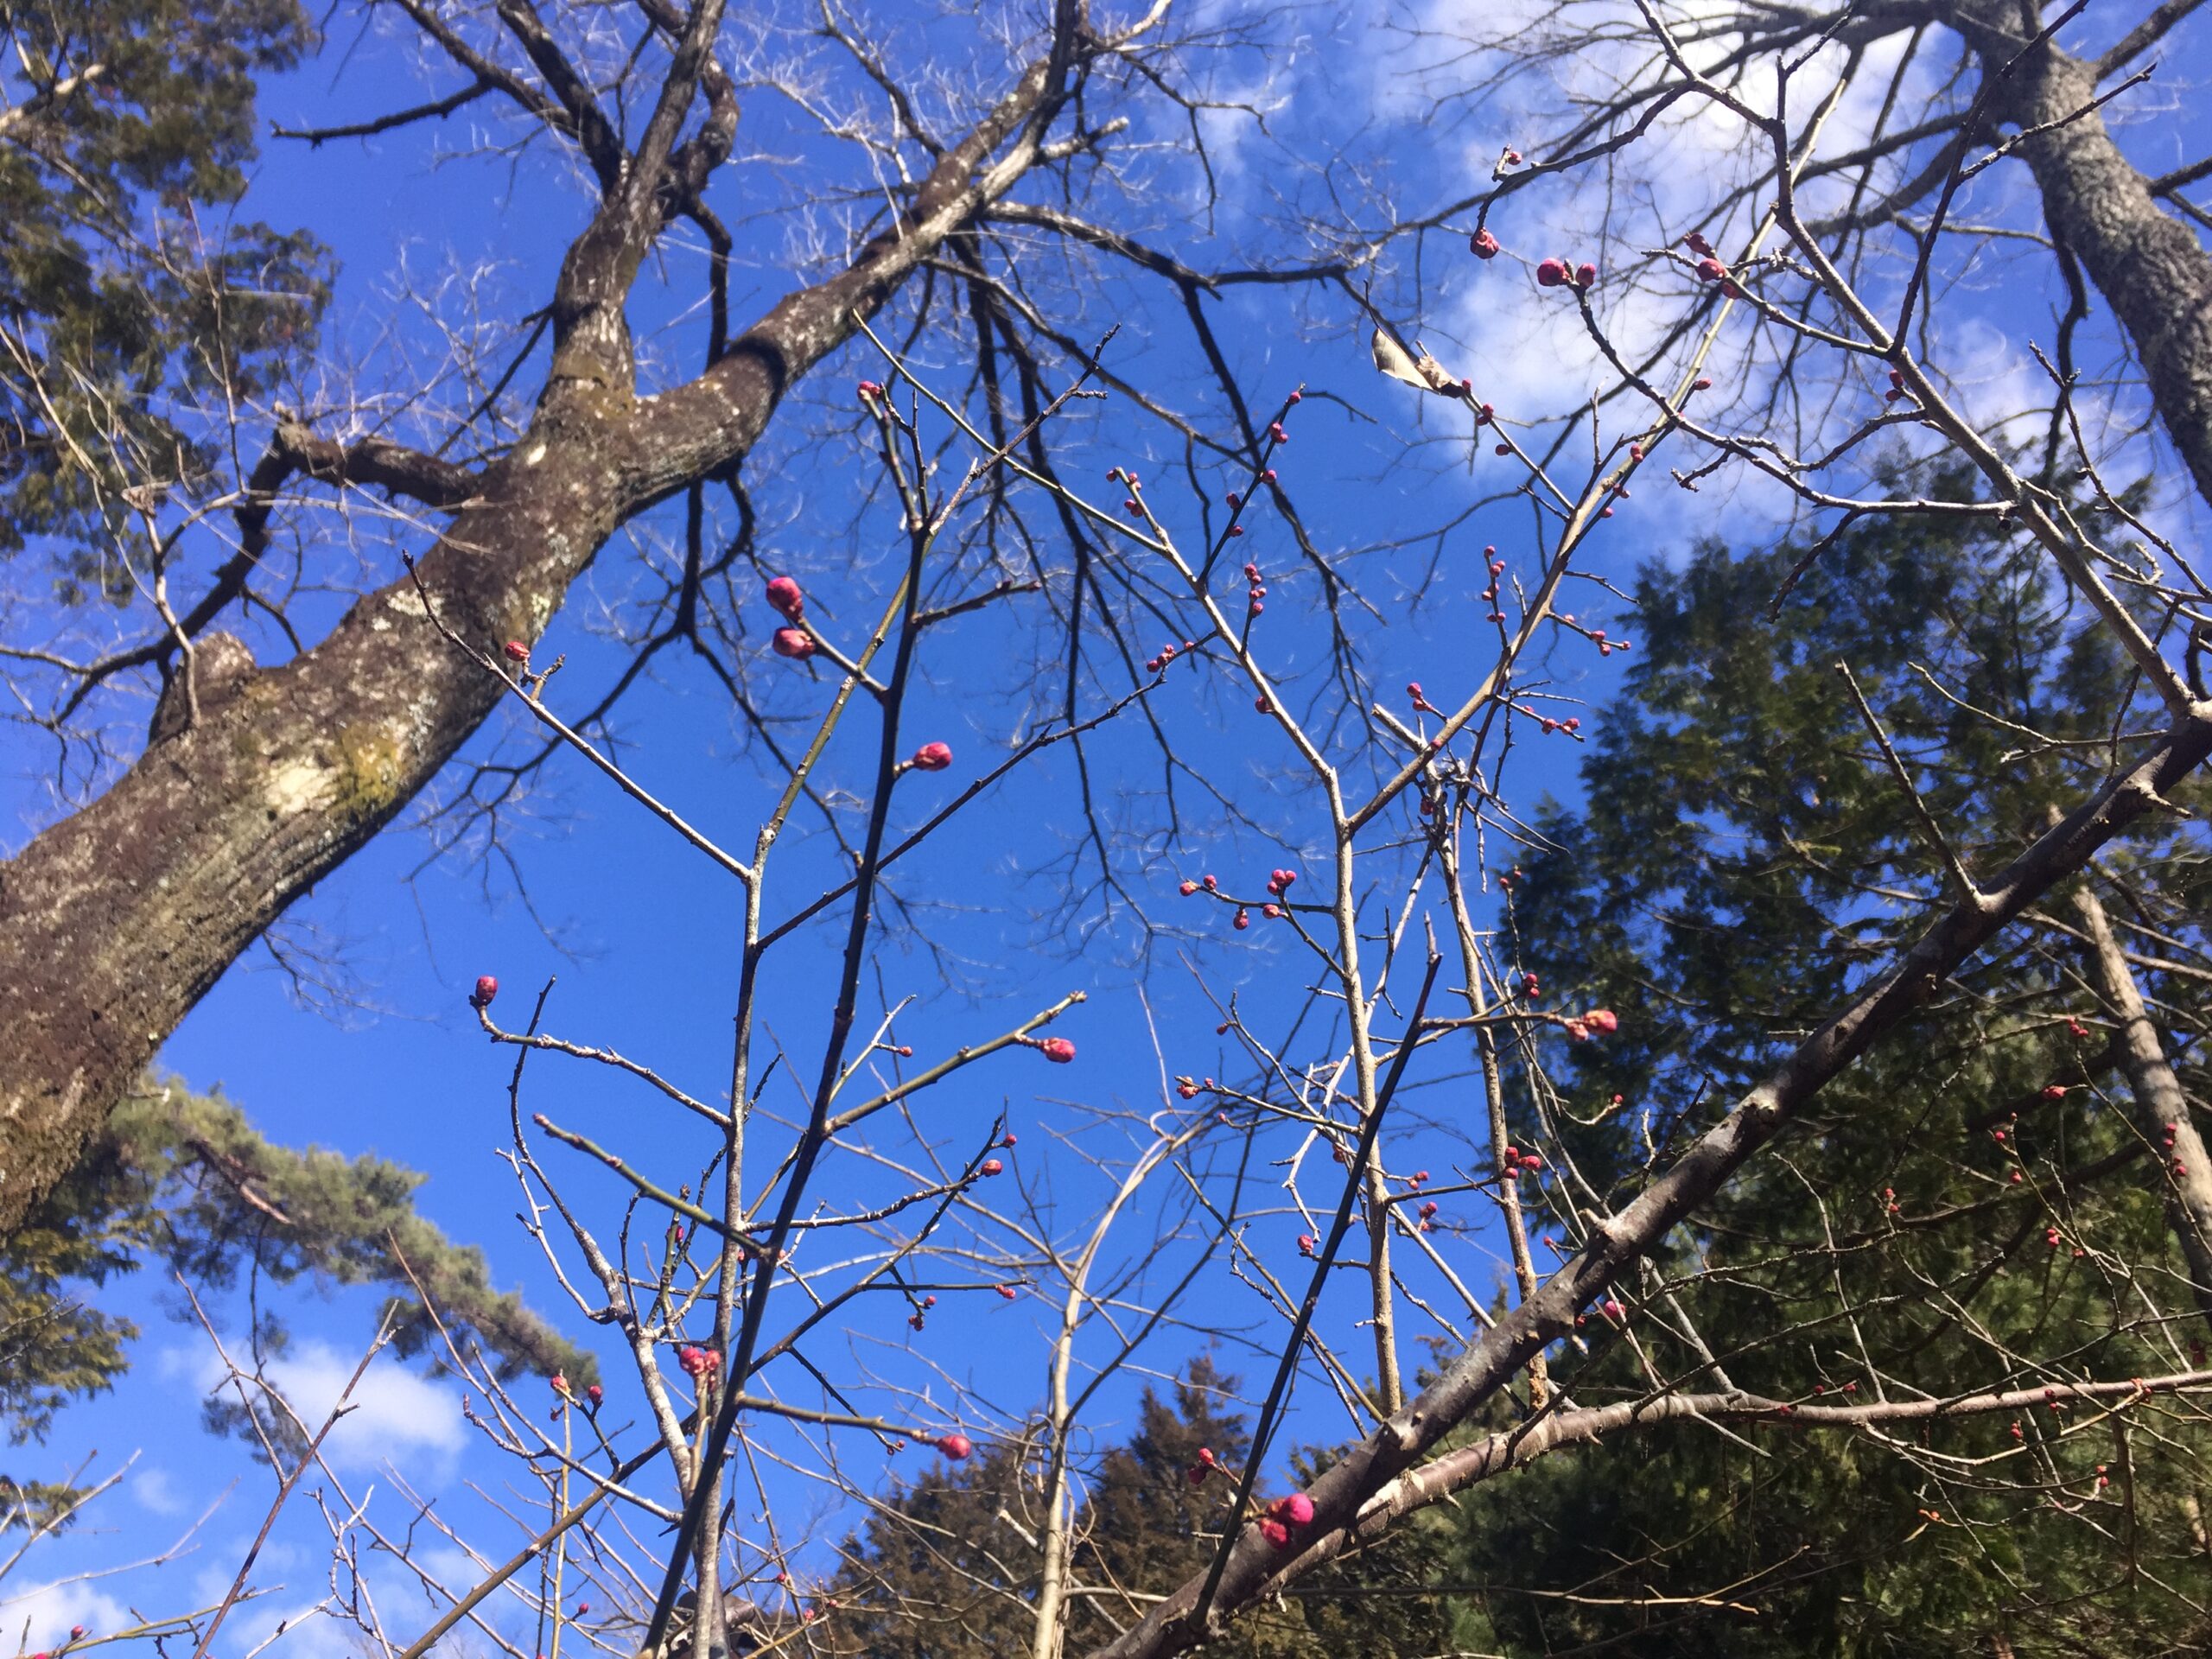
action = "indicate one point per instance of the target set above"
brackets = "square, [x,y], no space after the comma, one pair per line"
[1548,723]
[1709,267]
[1199,1471]
[1188,1087]
[1598,1022]
[1483,244]
[789,601]
[1422,704]
[1279,882]
[870,389]
[1557,273]
[1897,387]
[698,1363]
[1517,1163]
[1428,1215]
[486,988]
[1168,652]
[1006,1291]
[1285,1517]
[1255,597]
[1133,506]
[1490,594]
[2075,1029]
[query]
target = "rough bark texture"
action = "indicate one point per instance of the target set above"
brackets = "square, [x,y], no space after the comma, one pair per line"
[2186,1171]
[115,921]
[2150,268]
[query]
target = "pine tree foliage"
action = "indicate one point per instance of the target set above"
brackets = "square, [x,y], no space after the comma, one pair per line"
[182,1184]
[943,1570]
[1746,852]
[131,294]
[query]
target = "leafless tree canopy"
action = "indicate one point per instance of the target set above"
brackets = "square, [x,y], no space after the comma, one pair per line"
[1753,243]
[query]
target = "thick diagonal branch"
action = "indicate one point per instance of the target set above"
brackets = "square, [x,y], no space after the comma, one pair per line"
[114,922]
[2159,1098]
[1400,1445]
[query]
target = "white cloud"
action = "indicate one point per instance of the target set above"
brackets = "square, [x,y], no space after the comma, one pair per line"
[392,1411]
[48,1613]
[156,1491]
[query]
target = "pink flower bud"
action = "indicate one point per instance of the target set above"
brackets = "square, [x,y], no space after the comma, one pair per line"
[486,988]
[1483,244]
[2054,1091]
[1305,1244]
[1551,273]
[1603,1019]
[1586,275]
[993,1166]
[957,1448]
[1275,431]
[1058,1050]
[1006,1291]
[1276,1534]
[517,651]
[1295,1510]
[595,1393]
[793,643]
[931,757]
[785,596]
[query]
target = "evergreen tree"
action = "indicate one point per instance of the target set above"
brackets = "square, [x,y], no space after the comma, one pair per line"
[182,1179]
[945,1569]
[1942,1218]
[130,295]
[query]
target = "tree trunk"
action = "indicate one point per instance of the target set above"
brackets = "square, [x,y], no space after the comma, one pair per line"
[116,921]
[2186,1170]
[2150,269]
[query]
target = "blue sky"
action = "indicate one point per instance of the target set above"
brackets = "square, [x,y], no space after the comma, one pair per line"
[641,931]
